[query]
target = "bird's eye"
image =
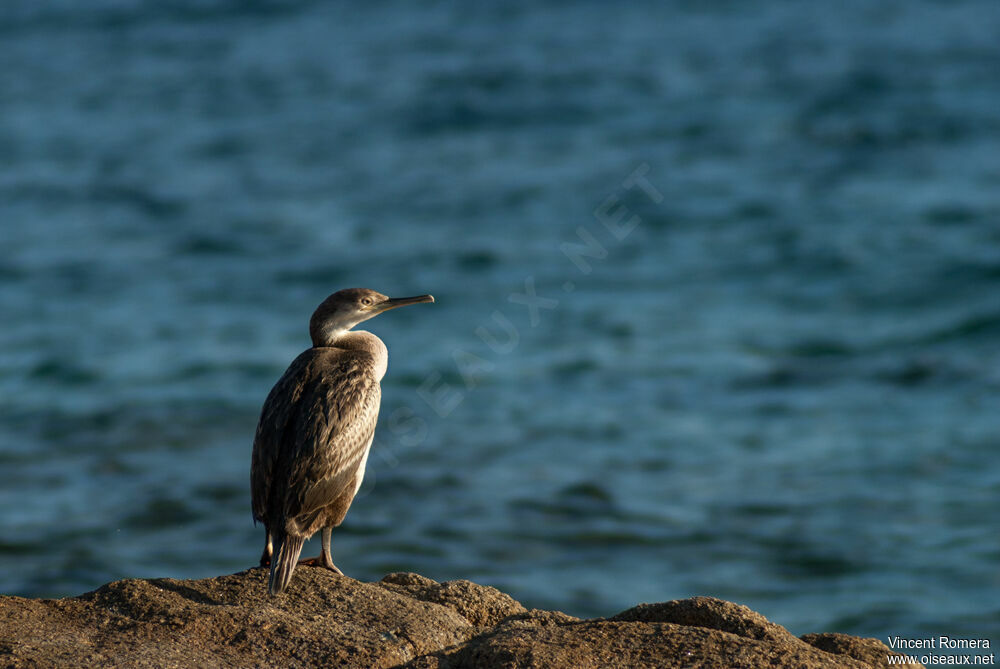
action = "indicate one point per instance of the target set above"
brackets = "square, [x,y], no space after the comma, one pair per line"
[367,301]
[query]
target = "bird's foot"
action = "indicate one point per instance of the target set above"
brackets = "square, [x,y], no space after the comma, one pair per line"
[321,561]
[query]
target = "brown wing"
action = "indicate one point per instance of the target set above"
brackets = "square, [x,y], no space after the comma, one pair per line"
[315,427]
[274,432]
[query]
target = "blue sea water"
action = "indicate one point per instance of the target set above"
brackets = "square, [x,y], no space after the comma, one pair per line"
[718,294]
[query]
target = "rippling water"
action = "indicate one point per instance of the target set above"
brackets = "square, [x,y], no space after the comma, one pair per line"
[738,270]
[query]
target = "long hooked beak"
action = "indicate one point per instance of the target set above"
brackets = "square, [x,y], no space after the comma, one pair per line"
[394,302]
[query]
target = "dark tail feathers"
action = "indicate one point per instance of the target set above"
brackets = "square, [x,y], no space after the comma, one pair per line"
[286,556]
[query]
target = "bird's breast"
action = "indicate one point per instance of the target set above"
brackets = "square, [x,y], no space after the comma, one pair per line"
[361,468]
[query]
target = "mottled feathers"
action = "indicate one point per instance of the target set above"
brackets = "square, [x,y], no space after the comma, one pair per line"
[315,428]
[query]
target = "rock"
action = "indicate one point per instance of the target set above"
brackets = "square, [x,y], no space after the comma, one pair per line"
[405,620]
[598,645]
[871,651]
[480,605]
[709,612]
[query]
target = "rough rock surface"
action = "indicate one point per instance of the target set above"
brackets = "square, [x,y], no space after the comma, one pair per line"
[405,620]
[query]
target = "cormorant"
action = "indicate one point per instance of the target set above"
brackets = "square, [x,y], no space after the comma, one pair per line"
[316,429]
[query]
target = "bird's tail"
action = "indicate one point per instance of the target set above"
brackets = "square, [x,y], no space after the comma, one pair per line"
[286,555]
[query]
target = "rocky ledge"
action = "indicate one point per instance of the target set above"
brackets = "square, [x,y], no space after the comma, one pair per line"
[404,620]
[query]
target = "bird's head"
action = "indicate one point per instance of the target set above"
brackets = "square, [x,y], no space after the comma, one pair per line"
[346,308]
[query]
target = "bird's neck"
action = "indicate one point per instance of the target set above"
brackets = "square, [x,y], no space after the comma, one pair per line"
[366,342]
